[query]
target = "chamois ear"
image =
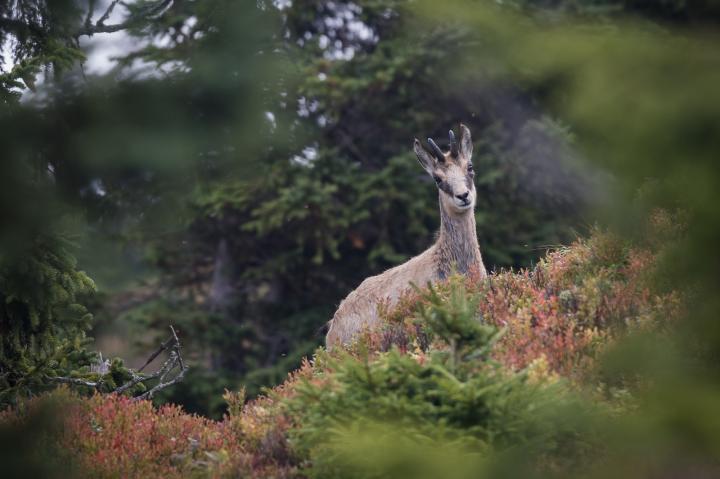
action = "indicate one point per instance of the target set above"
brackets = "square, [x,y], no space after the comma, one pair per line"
[425,159]
[466,145]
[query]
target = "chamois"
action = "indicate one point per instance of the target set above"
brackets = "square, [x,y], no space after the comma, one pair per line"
[456,248]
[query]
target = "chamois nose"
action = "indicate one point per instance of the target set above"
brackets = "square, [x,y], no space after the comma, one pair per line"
[463,196]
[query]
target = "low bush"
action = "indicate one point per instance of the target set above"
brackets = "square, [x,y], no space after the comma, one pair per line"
[469,378]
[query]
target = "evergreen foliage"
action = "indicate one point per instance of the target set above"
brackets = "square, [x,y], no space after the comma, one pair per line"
[264,169]
[42,320]
[346,198]
[298,210]
[397,415]
[463,407]
[44,296]
[272,147]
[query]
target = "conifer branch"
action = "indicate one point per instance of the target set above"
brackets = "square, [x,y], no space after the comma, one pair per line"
[138,18]
[108,12]
[174,362]
[90,13]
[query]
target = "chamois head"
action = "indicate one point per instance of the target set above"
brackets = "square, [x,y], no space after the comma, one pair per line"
[452,171]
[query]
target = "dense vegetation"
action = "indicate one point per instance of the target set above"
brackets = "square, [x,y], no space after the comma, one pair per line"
[241,165]
[43,321]
[247,231]
[480,396]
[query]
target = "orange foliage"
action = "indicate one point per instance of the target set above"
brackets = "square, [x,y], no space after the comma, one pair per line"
[556,317]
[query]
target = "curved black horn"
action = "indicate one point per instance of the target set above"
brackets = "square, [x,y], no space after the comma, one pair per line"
[453,144]
[436,149]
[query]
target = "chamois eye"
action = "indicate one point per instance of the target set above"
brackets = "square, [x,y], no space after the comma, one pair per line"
[437,179]
[470,168]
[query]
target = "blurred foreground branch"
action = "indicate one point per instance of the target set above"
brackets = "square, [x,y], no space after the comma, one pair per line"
[171,372]
[137,17]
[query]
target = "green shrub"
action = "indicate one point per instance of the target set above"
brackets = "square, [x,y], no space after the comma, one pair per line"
[395,414]
[482,382]
[42,317]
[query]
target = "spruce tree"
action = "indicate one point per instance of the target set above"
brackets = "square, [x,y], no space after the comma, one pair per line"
[43,320]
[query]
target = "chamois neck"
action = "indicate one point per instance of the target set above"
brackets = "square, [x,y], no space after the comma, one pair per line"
[457,244]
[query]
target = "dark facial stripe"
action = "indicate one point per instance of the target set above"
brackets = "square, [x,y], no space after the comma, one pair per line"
[444,186]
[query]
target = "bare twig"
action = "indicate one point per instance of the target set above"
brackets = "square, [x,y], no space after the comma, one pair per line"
[90,13]
[153,10]
[174,360]
[107,13]
[75,381]
[172,363]
[177,342]
[163,347]
[162,384]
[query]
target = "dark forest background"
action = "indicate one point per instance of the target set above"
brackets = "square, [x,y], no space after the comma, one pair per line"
[245,164]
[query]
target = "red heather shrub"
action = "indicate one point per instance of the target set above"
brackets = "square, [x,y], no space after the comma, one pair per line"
[574,303]
[114,433]
[561,313]
[557,317]
[114,436]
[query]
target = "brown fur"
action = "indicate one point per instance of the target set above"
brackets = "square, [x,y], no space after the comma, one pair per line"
[456,249]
